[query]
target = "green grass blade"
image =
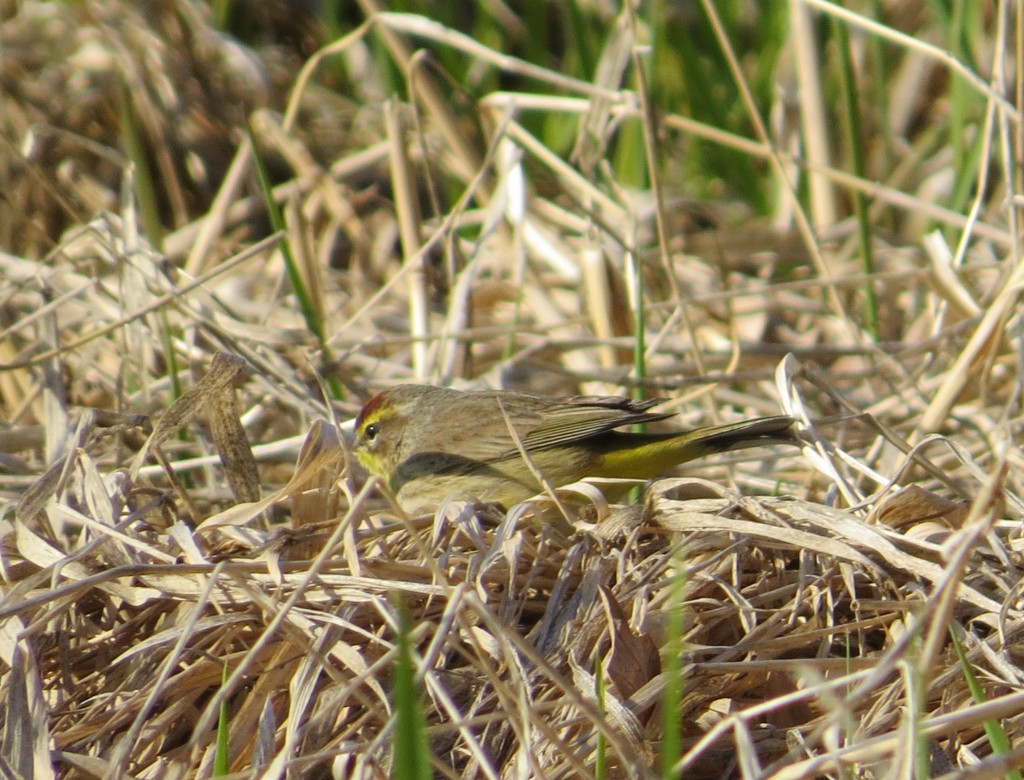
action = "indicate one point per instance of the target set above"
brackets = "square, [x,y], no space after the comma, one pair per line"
[411,754]
[222,757]
[135,149]
[277,223]
[298,285]
[672,696]
[997,737]
[601,762]
[860,202]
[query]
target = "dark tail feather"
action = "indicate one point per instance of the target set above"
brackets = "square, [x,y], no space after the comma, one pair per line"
[749,433]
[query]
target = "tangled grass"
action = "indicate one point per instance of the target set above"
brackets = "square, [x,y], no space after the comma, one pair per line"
[196,579]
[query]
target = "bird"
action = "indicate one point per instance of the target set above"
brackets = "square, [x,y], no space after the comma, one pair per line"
[428,444]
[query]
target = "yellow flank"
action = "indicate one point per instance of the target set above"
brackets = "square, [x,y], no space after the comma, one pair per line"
[640,459]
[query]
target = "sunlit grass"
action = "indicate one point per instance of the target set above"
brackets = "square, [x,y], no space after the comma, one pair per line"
[743,208]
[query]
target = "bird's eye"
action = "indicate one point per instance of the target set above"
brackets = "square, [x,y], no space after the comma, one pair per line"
[372,431]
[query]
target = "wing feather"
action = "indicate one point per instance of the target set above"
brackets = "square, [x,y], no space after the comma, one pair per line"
[555,423]
[588,416]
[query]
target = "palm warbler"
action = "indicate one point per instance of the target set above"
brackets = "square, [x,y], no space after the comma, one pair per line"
[432,443]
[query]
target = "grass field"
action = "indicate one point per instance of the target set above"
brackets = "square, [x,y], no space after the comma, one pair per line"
[224,227]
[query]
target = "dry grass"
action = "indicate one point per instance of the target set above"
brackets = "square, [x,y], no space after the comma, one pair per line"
[179,506]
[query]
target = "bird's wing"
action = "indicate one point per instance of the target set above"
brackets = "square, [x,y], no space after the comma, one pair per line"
[563,422]
[583,417]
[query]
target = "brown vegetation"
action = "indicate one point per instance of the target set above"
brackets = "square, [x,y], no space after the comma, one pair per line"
[181,525]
